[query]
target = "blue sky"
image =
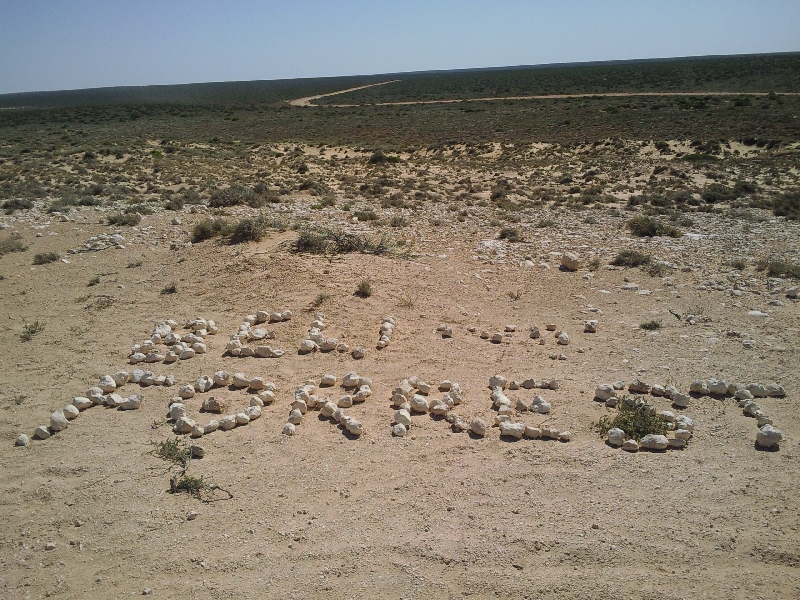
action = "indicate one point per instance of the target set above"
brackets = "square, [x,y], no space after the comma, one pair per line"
[51,45]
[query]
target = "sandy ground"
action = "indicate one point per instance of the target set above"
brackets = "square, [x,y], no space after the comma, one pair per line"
[436,514]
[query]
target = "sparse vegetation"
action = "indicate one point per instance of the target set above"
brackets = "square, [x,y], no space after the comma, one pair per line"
[11,244]
[630,258]
[93,281]
[31,329]
[15,204]
[209,228]
[124,219]
[635,417]
[778,267]
[644,226]
[316,240]
[510,234]
[170,289]
[45,258]
[364,289]
[651,325]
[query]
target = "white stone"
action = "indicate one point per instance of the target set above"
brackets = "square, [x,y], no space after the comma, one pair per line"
[604,392]
[210,427]
[183,425]
[227,422]
[562,339]
[327,409]
[683,434]
[399,430]
[186,391]
[358,353]
[616,437]
[768,436]
[197,431]
[242,418]
[133,402]
[240,380]
[478,426]
[289,429]
[353,426]
[58,422]
[121,378]
[540,405]
[176,411]
[684,422]
[590,326]
[677,443]
[680,400]
[22,440]
[327,380]
[419,403]
[717,387]
[758,390]
[564,436]
[41,433]
[221,378]
[107,384]
[403,416]
[295,416]
[515,430]
[136,357]
[498,381]
[630,446]
[654,442]
[699,386]
[533,432]
[267,396]
[81,403]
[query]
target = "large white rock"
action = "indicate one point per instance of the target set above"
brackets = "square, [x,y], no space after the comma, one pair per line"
[240,380]
[257,383]
[186,391]
[419,403]
[717,387]
[478,426]
[680,400]
[654,442]
[176,411]
[58,422]
[241,418]
[81,403]
[616,437]
[22,440]
[402,416]
[221,378]
[133,402]
[204,383]
[399,430]
[307,346]
[515,430]
[107,384]
[41,433]
[699,386]
[121,378]
[758,390]
[590,326]
[227,422]
[295,416]
[533,432]
[604,391]
[289,429]
[540,405]
[327,380]
[210,427]
[498,381]
[214,405]
[562,339]
[630,446]
[353,426]
[768,436]
[183,425]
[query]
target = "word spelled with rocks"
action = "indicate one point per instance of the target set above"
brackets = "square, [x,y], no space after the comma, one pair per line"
[238,344]
[412,397]
[105,393]
[180,346]
[358,389]
[263,393]
[508,410]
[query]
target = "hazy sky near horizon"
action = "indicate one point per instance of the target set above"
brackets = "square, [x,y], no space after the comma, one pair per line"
[56,44]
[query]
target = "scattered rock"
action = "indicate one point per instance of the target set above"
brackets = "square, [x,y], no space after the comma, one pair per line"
[570,261]
[616,437]
[22,440]
[768,436]
[654,442]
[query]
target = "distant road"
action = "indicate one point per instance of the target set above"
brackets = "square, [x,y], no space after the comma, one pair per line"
[308,100]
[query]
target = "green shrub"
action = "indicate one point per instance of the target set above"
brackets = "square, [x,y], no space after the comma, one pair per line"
[249,230]
[208,228]
[364,289]
[378,157]
[170,289]
[636,418]
[630,258]
[10,244]
[174,203]
[511,234]
[332,241]
[16,204]
[31,329]
[366,215]
[45,258]
[778,267]
[234,195]
[397,221]
[129,219]
[94,281]
[644,226]
[651,325]
[787,205]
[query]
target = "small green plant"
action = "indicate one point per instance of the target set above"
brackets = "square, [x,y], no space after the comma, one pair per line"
[778,267]
[187,484]
[333,241]
[174,451]
[630,258]
[515,295]
[31,329]
[321,299]
[594,264]
[510,234]
[120,219]
[397,221]
[45,258]
[19,399]
[16,204]
[10,244]
[366,215]
[651,325]
[170,289]
[738,263]
[657,269]
[545,223]
[93,281]
[249,230]
[174,203]
[364,289]
[644,226]
[635,417]
[208,228]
